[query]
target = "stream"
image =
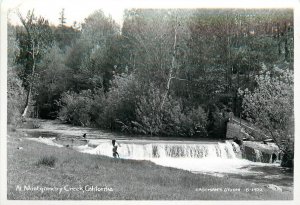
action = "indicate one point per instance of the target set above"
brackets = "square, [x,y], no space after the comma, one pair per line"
[221,158]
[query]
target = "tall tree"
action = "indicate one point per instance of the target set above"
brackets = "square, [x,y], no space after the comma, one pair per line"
[62,18]
[53,78]
[15,90]
[91,57]
[34,38]
[156,44]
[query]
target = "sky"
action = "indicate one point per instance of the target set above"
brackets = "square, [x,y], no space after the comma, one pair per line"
[74,10]
[78,10]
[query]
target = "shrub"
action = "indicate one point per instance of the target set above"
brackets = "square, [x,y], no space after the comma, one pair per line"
[113,110]
[97,106]
[31,123]
[148,112]
[79,108]
[133,108]
[15,98]
[217,122]
[270,107]
[195,122]
[47,161]
[119,109]
[169,119]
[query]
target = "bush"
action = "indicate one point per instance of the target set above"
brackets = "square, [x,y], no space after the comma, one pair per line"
[30,123]
[115,110]
[119,109]
[47,161]
[148,113]
[270,107]
[195,122]
[169,119]
[288,159]
[53,78]
[98,103]
[129,107]
[217,122]
[15,98]
[77,107]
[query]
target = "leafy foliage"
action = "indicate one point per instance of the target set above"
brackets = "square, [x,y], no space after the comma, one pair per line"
[15,90]
[271,106]
[34,38]
[171,119]
[76,108]
[15,97]
[52,79]
[163,72]
[121,102]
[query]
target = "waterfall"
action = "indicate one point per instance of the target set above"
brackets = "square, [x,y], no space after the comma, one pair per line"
[258,155]
[211,157]
[205,156]
[211,150]
[260,152]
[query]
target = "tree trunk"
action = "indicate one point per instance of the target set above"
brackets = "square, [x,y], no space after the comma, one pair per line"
[278,40]
[24,114]
[172,68]
[27,102]
[286,48]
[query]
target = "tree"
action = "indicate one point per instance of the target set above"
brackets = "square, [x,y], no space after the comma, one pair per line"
[15,90]
[34,38]
[193,60]
[156,41]
[91,56]
[62,18]
[53,78]
[65,36]
[121,101]
[270,106]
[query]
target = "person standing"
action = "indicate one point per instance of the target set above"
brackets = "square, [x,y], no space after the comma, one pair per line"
[114,149]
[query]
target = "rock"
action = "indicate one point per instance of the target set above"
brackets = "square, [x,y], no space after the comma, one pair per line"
[274,187]
[20,148]
[288,160]
[268,140]
[238,141]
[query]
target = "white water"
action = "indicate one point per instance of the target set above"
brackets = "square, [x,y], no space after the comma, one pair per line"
[48,141]
[227,150]
[216,158]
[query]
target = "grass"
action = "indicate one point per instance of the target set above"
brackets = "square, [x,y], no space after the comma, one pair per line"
[47,161]
[30,123]
[126,179]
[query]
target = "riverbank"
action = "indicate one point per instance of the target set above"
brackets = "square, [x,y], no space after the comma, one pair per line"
[39,171]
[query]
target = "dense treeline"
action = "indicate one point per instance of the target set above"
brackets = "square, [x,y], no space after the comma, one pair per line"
[163,72]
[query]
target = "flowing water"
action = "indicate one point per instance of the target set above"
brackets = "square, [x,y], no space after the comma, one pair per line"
[214,157]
